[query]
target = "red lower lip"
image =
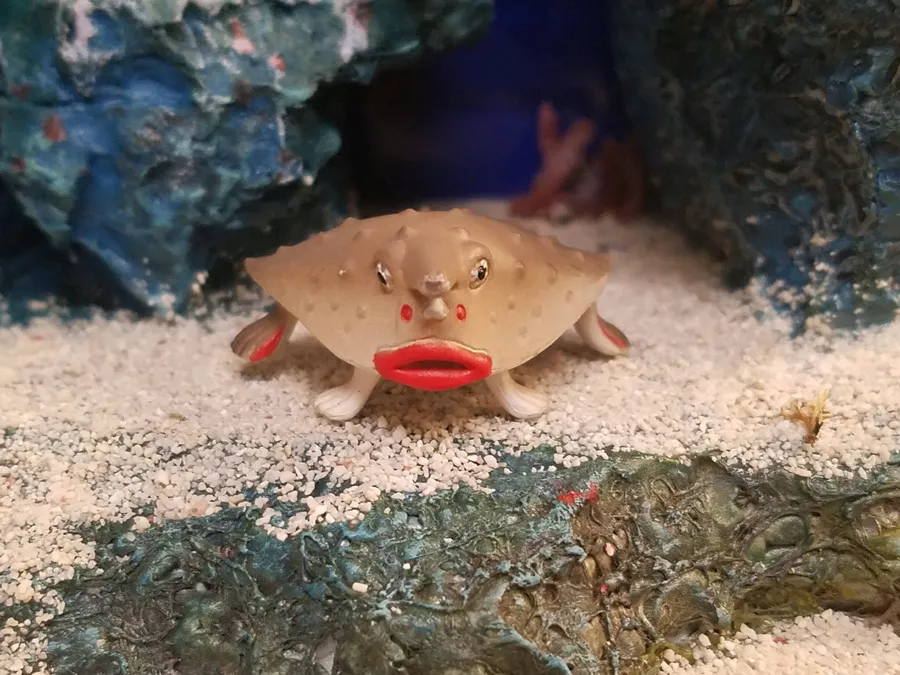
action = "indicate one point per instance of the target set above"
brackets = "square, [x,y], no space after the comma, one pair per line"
[433,365]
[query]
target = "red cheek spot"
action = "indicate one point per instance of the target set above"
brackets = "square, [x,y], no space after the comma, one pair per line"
[268,347]
[406,313]
[461,312]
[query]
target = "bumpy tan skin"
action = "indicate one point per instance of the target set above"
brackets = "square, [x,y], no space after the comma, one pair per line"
[348,287]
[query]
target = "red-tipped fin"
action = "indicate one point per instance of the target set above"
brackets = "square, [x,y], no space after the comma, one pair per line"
[269,346]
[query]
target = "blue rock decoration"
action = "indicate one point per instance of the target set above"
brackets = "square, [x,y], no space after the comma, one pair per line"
[140,136]
[770,128]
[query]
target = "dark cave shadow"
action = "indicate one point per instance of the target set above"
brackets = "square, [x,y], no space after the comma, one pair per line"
[307,360]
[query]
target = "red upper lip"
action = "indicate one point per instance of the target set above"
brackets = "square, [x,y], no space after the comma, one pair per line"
[432,365]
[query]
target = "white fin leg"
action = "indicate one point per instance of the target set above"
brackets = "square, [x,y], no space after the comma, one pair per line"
[346,401]
[519,401]
[601,334]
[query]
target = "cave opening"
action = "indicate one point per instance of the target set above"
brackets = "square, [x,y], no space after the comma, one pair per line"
[464,124]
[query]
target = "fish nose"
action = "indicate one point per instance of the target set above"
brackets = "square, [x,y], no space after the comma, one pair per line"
[436,310]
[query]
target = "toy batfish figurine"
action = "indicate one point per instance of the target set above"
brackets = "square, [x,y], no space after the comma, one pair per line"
[433,300]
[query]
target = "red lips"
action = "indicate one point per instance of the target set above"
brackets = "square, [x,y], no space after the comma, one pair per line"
[433,365]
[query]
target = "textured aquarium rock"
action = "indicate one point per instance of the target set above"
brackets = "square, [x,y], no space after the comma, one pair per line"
[146,139]
[770,130]
[589,571]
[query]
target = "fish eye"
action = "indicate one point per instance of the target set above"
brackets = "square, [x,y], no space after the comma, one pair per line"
[384,276]
[479,273]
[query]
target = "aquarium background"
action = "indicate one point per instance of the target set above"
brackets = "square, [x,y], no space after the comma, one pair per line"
[462,124]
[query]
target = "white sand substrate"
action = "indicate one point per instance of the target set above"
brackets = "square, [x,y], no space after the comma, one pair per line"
[108,414]
[830,643]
